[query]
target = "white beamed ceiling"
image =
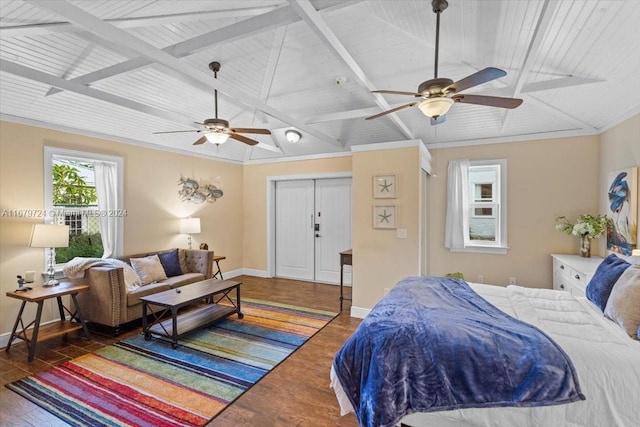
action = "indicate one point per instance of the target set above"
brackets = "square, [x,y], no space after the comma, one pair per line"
[123,69]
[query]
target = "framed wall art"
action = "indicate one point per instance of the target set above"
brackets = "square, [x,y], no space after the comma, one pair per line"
[622,207]
[384,216]
[385,186]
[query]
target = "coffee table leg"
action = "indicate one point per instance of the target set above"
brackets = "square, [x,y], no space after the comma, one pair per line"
[174,321]
[145,326]
[240,315]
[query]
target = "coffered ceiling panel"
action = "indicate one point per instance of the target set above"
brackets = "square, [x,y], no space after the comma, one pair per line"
[124,69]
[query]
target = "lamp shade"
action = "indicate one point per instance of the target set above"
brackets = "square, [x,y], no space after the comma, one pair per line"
[217,138]
[435,107]
[49,236]
[190,225]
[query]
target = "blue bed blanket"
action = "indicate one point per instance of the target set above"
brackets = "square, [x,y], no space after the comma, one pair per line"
[433,344]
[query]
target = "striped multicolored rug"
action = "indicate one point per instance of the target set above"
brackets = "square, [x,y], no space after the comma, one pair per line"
[147,383]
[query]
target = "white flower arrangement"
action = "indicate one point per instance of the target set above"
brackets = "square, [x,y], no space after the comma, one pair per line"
[586,226]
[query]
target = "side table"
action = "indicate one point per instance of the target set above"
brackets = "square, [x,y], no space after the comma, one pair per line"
[346,258]
[33,332]
[217,259]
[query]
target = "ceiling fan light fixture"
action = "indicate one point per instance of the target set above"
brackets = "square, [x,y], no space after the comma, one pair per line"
[293,136]
[435,107]
[217,138]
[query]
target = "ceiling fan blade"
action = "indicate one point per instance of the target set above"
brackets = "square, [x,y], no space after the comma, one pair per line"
[396,92]
[243,139]
[475,79]
[251,130]
[402,107]
[491,101]
[176,131]
[201,141]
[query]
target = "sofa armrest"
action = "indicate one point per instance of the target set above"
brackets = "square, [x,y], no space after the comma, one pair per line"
[106,299]
[199,261]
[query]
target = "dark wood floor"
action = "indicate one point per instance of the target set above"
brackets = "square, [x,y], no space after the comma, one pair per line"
[295,393]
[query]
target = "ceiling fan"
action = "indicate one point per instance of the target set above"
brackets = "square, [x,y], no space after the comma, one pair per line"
[438,94]
[217,131]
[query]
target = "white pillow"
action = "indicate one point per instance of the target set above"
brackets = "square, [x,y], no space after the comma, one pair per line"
[149,269]
[131,278]
[623,305]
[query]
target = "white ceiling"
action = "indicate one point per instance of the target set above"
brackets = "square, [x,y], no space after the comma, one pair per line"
[123,69]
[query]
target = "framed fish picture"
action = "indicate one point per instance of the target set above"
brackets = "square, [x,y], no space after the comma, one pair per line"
[622,207]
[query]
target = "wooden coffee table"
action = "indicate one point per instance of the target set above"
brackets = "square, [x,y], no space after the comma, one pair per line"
[211,290]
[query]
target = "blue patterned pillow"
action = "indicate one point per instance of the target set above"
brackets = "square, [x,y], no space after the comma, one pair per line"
[171,263]
[606,275]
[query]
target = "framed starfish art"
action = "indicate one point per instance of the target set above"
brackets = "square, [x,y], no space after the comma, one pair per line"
[385,216]
[385,186]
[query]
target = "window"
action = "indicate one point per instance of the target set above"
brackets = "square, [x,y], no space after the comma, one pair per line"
[476,206]
[71,198]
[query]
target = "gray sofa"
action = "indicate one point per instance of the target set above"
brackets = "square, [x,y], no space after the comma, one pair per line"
[109,304]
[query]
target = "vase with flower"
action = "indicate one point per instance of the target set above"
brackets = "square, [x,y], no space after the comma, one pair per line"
[586,227]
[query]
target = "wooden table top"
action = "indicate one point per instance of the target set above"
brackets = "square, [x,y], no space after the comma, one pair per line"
[41,293]
[191,292]
[219,257]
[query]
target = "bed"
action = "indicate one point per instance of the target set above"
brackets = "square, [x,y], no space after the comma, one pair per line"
[592,365]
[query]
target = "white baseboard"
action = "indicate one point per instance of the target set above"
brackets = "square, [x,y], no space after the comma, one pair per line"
[359,312]
[253,272]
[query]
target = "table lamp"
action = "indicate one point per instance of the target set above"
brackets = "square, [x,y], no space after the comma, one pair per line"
[190,226]
[50,236]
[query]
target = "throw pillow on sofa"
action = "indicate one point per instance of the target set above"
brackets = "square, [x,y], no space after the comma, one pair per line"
[149,269]
[171,263]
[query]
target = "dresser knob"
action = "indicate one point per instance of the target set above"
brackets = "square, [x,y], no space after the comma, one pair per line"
[561,286]
[562,267]
[577,276]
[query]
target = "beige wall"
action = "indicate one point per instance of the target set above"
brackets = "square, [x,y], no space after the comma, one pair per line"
[255,200]
[380,259]
[619,149]
[546,179]
[150,198]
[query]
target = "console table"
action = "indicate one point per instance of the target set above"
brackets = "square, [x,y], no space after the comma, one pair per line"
[346,258]
[33,332]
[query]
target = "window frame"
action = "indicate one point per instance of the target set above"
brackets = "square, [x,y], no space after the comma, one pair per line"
[49,154]
[500,245]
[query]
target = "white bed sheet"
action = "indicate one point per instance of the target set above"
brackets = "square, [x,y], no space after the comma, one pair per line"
[606,359]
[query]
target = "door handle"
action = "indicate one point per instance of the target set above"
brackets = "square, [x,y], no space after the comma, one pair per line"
[317,235]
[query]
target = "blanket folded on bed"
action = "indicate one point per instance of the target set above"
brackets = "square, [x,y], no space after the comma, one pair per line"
[433,344]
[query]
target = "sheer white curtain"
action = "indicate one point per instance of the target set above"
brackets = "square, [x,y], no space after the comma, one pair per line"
[107,194]
[457,221]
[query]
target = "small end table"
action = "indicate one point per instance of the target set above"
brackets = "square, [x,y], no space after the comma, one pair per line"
[217,259]
[33,332]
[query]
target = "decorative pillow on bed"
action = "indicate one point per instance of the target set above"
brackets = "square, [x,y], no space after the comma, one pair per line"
[604,278]
[171,263]
[623,306]
[149,269]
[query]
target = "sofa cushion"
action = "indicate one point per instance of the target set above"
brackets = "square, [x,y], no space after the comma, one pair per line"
[133,297]
[171,263]
[185,279]
[149,269]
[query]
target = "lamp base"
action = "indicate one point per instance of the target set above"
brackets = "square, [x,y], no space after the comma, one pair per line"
[51,282]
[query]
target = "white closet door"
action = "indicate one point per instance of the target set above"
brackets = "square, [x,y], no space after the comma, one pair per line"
[333,216]
[294,229]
